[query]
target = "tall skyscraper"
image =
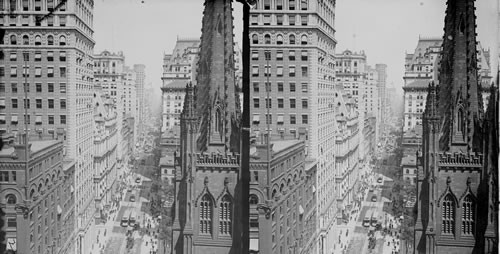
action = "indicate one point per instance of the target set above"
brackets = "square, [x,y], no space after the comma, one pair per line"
[457,170]
[140,79]
[58,80]
[299,75]
[208,179]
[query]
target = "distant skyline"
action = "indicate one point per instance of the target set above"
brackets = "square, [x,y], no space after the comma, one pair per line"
[145,31]
[387,29]
[384,29]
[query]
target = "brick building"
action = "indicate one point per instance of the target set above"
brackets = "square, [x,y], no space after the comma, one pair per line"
[279,198]
[58,74]
[457,170]
[300,37]
[39,201]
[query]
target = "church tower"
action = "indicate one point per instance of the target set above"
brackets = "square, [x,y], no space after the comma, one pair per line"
[457,169]
[208,178]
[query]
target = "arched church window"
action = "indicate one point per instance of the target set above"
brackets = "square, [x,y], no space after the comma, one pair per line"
[206,211]
[468,215]
[448,217]
[225,215]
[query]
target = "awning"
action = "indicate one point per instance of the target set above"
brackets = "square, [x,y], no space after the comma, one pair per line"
[60,130]
[2,102]
[59,210]
[314,189]
[280,119]
[2,117]
[71,189]
[38,119]
[13,118]
[254,244]
[301,210]
[256,119]
[302,130]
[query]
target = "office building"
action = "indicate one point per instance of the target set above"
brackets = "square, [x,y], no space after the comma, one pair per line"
[59,83]
[281,226]
[140,79]
[47,221]
[300,76]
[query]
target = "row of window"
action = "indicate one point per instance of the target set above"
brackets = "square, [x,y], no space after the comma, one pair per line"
[280,85]
[449,215]
[39,87]
[225,215]
[269,104]
[7,176]
[38,71]
[279,71]
[37,40]
[38,103]
[280,120]
[38,56]
[279,55]
[38,120]
[280,39]
[279,21]
[283,4]
[36,5]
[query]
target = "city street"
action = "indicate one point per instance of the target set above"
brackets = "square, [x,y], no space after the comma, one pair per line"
[359,239]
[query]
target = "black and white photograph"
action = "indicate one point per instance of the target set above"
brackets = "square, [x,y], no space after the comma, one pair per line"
[249,126]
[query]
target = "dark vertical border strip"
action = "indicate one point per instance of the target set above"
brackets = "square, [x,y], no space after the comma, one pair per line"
[245,134]
[3,244]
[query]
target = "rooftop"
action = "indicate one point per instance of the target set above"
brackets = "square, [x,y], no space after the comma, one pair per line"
[410,160]
[176,84]
[36,146]
[167,160]
[419,84]
[278,146]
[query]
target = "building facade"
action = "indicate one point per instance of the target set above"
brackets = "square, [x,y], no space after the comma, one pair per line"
[207,216]
[301,88]
[140,80]
[39,199]
[457,170]
[351,74]
[179,69]
[59,85]
[422,67]
[105,152]
[278,225]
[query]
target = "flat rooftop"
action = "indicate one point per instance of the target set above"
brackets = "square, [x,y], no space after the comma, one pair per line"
[410,160]
[278,146]
[35,146]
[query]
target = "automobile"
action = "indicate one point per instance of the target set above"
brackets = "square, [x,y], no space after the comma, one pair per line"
[132,198]
[124,221]
[379,180]
[374,198]
[138,180]
[370,190]
[129,190]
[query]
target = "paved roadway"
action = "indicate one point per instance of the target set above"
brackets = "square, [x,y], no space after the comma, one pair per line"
[358,241]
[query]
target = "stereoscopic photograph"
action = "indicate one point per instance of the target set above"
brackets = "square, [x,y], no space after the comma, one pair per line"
[249,126]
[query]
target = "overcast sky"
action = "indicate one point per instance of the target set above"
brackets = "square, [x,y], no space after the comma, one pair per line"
[384,29]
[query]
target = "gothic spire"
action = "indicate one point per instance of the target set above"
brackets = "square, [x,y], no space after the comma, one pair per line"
[217,109]
[459,103]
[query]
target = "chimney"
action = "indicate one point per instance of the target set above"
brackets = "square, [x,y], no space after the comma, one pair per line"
[19,149]
[262,151]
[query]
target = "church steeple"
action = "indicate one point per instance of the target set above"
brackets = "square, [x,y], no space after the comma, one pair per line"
[217,104]
[460,92]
